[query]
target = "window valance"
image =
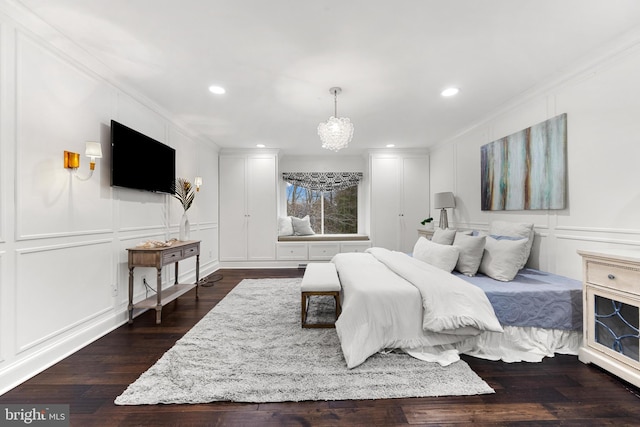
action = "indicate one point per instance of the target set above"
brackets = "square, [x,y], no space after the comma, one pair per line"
[323,181]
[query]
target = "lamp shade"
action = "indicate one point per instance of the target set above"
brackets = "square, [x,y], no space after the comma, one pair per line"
[444,200]
[93,150]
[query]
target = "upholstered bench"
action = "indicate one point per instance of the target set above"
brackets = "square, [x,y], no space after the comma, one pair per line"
[319,279]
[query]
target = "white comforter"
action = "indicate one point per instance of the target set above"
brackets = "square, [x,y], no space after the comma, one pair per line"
[391,300]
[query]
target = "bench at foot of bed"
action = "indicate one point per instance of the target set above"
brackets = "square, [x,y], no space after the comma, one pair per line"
[319,279]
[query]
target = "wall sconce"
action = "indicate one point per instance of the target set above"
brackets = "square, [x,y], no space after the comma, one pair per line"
[71,160]
[93,150]
[197,182]
[443,201]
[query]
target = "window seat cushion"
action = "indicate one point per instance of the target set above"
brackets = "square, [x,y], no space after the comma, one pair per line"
[324,238]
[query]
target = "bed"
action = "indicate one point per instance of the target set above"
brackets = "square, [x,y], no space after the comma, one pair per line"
[393,301]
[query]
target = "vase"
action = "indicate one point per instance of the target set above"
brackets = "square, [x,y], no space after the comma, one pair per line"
[185,228]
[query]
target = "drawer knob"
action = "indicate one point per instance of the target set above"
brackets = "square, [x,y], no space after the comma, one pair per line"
[611,276]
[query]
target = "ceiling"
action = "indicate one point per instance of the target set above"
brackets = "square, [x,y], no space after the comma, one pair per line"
[277,60]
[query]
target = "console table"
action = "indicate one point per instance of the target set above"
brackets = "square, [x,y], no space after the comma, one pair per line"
[158,257]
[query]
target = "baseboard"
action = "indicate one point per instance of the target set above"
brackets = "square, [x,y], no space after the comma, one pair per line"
[29,366]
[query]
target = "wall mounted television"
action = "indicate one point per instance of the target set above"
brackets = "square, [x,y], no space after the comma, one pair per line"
[140,162]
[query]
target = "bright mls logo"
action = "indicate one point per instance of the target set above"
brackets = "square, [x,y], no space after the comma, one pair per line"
[34,415]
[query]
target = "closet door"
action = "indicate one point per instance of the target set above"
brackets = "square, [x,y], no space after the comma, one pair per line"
[399,199]
[385,202]
[415,199]
[233,213]
[261,208]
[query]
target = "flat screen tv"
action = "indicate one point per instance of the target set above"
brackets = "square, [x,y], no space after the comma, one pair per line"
[140,162]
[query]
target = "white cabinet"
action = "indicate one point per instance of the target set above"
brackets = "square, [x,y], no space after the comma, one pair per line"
[354,246]
[319,250]
[399,198]
[292,251]
[248,219]
[323,251]
[611,312]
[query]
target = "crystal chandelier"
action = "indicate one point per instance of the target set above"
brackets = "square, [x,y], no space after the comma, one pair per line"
[337,132]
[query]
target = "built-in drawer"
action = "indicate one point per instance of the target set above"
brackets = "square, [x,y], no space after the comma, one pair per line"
[323,251]
[613,276]
[291,251]
[171,256]
[354,246]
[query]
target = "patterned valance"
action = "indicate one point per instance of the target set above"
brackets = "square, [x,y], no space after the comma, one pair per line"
[323,181]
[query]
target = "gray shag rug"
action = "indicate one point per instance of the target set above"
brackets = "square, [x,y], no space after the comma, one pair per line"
[251,348]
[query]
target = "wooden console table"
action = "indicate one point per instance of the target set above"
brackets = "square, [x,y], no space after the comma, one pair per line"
[159,257]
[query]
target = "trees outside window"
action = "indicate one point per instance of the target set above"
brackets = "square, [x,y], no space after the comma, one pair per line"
[330,212]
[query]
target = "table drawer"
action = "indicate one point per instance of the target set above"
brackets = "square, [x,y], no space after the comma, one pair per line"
[171,256]
[613,276]
[191,251]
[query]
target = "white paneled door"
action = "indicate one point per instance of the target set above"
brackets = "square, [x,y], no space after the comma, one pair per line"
[248,223]
[399,199]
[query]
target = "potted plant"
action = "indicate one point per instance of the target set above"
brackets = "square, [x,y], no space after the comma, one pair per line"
[428,223]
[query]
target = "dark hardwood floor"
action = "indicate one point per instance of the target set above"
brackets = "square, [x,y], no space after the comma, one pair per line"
[558,391]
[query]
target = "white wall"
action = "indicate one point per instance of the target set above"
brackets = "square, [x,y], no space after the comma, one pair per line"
[603,209]
[63,261]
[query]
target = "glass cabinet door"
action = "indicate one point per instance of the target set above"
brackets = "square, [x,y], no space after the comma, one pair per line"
[616,323]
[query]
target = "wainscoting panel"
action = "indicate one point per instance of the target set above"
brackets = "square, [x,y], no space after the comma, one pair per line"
[4,154]
[3,302]
[209,246]
[59,288]
[59,107]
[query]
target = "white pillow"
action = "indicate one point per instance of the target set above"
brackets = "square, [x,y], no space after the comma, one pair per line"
[443,237]
[302,226]
[285,226]
[441,256]
[515,229]
[471,249]
[502,257]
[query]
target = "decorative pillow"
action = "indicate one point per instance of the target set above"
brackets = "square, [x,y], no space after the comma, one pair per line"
[515,229]
[285,226]
[471,249]
[444,237]
[302,226]
[441,256]
[502,258]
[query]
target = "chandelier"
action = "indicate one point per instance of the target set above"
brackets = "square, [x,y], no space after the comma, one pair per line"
[337,132]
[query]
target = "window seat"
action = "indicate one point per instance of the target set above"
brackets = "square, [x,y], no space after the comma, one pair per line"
[325,238]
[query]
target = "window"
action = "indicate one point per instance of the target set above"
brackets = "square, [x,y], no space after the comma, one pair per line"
[330,199]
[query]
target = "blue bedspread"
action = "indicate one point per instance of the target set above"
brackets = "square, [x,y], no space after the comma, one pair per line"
[534,298]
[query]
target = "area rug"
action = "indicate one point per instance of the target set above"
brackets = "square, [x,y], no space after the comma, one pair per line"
[251,348]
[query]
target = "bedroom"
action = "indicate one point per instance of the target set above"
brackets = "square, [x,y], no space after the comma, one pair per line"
[64,240]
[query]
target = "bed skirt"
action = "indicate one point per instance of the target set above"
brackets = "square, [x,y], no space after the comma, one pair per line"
[521,344]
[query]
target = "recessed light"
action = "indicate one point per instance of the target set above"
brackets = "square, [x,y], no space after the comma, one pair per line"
[451,91]
[390,145]
[218,90]
[260,145]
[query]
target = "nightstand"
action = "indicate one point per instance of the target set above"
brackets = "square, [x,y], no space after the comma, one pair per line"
[611,312]
[428,233]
